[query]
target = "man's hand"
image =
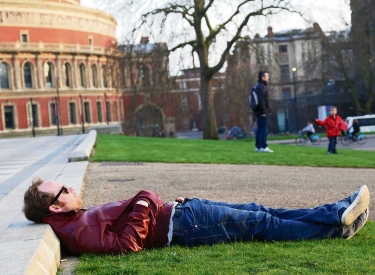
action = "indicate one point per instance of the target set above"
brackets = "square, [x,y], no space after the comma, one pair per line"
[179,199]
[264,115]
[142,202]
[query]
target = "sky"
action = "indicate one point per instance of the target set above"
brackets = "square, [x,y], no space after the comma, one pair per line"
[332,15]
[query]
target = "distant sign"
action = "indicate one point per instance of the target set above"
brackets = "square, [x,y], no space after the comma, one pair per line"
[323,111]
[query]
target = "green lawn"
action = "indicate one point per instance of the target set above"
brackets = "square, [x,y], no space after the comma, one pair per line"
[135,149]
[335,256]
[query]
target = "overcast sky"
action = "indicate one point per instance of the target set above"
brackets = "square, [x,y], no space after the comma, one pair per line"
[332,15]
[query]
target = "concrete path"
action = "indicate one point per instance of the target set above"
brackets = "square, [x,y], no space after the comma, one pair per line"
[368,146]
[25,247]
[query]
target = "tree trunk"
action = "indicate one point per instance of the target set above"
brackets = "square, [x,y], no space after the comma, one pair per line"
[208,110]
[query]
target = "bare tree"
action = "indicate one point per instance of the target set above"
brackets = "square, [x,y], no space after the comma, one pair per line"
[346,58]
[241,75]
[363,41]
[209,28]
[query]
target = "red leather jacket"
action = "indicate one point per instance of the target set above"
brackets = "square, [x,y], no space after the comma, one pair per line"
[114,228]
[333,125]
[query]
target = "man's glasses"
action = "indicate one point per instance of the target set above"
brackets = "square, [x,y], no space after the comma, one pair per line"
[63,189]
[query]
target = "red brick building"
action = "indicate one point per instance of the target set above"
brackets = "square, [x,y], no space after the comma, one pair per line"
[56,65]
[188,101]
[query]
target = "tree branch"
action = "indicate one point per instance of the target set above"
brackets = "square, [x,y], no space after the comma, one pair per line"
[259,12]
[222,26]
[208,6]
[192,43]
[208,24]
[172,8]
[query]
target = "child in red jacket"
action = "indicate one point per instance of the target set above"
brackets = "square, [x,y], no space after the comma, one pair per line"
[333,124]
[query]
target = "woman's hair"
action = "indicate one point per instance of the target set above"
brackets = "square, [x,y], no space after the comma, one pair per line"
[36,203]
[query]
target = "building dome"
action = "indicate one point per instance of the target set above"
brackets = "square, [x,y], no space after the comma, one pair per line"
[55,66]
[55,21]
[59,1]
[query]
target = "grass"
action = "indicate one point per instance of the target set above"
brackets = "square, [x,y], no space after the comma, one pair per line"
[330,256]
[135,149]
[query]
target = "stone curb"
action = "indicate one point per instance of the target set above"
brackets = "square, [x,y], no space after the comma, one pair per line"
[27,248]
[33,249]
[83,151]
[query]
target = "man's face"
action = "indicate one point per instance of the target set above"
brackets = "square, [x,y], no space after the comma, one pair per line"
[265,77]
[333,112]
[71,201]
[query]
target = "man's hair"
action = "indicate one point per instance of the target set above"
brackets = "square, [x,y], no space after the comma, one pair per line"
[36,203]
[333,107]
[261,74]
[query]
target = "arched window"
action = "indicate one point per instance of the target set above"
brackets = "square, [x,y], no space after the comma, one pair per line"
[27,75]
[145,76]
[94,75]
[104,76]
[68,75]
[48,74]
[4,76]
[82,75]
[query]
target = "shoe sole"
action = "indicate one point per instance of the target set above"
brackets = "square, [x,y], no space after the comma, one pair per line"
[357,207]
[363,224]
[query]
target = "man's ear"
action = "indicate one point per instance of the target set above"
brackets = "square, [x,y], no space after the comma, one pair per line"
[55,208]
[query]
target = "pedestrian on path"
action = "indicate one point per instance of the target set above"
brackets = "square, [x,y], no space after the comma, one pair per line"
[146,221]
[261,111]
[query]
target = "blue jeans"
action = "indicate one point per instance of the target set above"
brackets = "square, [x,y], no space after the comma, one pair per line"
[208,222]
[262,131]
[332,141]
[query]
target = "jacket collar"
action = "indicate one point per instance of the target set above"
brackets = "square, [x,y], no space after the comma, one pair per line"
[262,82]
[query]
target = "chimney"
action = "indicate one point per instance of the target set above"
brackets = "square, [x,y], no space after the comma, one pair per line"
[144,40]
[316,28]
[270,32]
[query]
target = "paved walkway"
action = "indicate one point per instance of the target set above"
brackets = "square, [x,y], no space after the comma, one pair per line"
[21,157]
[25,247]
[368,146]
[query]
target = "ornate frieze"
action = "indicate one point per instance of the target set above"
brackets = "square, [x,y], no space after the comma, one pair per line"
[56,19]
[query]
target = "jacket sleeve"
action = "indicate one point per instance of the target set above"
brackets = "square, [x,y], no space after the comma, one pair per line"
[343,126]
[320,122]
[104,241]
[260,91]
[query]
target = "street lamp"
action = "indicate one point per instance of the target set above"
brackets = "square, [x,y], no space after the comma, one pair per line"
[82,118]
[56,115]
[32,116]
[295,95]
[105,107]
[59,129]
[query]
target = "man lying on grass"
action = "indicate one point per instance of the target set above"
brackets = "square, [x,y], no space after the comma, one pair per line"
[146,221]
